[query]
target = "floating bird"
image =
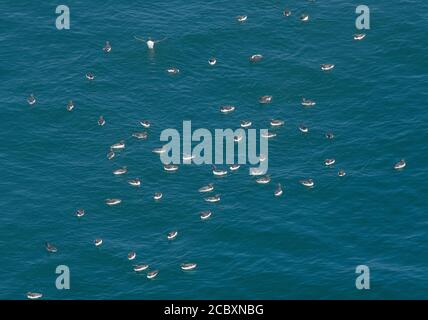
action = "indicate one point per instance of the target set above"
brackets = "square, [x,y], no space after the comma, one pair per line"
[134,182]
[307,183]
[246,124]
[234,167]
[219,172]
[265,99]
[263,180]
[341,173]
[110,155]
[304,17]
[303,128]
[207,188]
[118,146]
[237,138]
[157,196]
[286,13]
[173,70]
[31,100]
[308,102]
[98,242]
[70,105]
[140,135]
[101,121]
[327,66]
[171,235]
[34,295]
[150,42]
[241,18]
[256,171]
[359,36]
[188,266]
[278,190]
[329,162]
[215,198]
[227,109]
[212,61]
[276,123]
[120,171]
[152,274]
[329,135]
[50,247]
[400,164]
[107,47]
[145,123]
[170,167]
[90,76]
[140,267]
[113,201]
[80,213]
[256,57]
[132,255]
[205,215]
[268,135]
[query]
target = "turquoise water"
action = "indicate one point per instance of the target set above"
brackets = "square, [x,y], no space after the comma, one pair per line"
[303,245]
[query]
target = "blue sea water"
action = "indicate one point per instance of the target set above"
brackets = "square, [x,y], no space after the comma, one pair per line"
[303,245]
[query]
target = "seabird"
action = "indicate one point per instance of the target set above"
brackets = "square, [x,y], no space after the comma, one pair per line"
[227,109]
[98,242]
[263,180]
[276,123]
[268,135]
[90,76]
[308,102]
[113,201]
[329,162]
[101,121]
[170,167]
[286,13]
[303,128]
[134,182]
[119,145]
[265,99]
[107,47]
[157,196]
[241,18]
[218,172]
[173,70]
[234,167]
[304,17]
[205,215]
[171,235]
[215,198]
[140,267]
[152,274]
[341,173]
[237,138]
[31,100]
[329,135]
[359,36]
[207,188]
[80,213]
[188,266]
[110,155]
[70,105]
[132,255]
[50,247]
[150,42]
[327,66]
[400,164]
[34,295]
[120,171]
[145,123]
[212,61]
[246,124]
[307,182]
[256,57]
[278,190]
[140,135]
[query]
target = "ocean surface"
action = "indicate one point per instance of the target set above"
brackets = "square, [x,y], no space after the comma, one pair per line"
[305,244]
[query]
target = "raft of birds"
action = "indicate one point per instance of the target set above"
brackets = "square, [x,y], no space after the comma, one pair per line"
[204,215]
